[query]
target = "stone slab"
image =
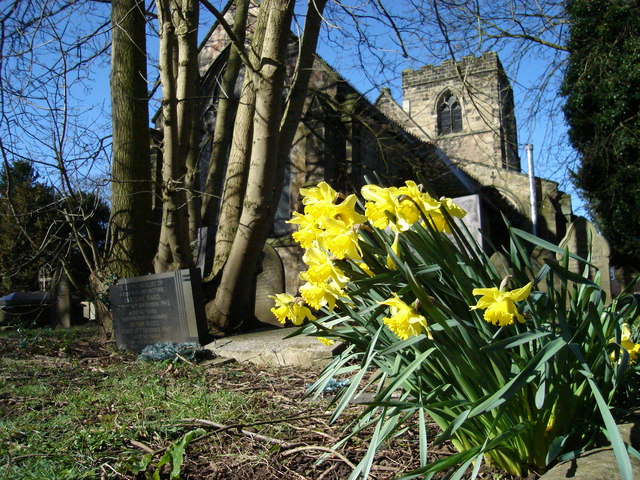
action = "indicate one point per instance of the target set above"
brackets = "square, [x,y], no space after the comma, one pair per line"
[473,219]
[270,281]
[270,348]
[158,308]
[600,464]
[597,464]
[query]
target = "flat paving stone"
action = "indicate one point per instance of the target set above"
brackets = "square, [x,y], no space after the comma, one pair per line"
[271,348]
[598,464]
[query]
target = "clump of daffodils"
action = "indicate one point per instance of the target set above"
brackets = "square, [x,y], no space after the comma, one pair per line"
[329,229]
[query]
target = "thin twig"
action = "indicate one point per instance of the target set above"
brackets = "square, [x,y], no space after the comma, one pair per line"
[238,426]
[220,427]
[184,359]
[328,471]
[142,446]
[112,469]
[322,449]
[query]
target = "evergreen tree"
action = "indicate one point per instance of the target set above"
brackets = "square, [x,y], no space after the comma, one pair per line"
[39,227]
[27,214]
[603,112]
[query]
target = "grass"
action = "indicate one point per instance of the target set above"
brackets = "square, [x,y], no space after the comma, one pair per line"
[74,408]
[69,418]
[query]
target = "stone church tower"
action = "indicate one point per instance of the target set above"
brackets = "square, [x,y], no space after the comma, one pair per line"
[466,108]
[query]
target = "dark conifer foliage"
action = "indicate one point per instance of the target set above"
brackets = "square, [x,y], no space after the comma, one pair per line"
[603,112]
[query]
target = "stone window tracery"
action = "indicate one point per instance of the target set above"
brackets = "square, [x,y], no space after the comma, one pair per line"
[449,114]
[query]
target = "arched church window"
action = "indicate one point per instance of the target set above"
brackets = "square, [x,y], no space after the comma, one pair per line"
[449,115]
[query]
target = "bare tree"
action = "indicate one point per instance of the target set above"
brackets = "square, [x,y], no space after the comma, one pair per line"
[178,22]
[375,41]
[49,120]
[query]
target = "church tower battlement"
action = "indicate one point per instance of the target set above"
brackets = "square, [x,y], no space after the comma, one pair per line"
[466,108]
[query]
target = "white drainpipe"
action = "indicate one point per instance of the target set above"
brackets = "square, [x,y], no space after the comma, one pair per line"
[532,188]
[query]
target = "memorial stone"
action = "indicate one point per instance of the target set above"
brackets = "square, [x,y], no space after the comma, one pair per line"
[473,219]
[158,308]
[501,263]
[63,304]
[582,239]
[270,281]
[539,258]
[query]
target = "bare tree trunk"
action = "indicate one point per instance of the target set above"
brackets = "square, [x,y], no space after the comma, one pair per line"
[298,93]
[239,155]
[223,132]
[179,78]
[131,169]
[188,110]
[241,264]
[192,184]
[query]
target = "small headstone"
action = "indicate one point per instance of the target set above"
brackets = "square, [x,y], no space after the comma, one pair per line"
[63,304]
[473,219]
[270,281]
[88,310]
[538,257]
[501,262]
[158,308]
[582,238]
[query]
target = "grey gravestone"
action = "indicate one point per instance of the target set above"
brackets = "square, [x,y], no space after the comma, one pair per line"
[583,239]
[270,281]
[158,308]
[501,263]
[473,218]
[63,304]
[538,257]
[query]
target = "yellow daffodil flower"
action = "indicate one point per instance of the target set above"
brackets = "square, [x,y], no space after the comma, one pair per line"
[346,212]
[321,268]
[500,306]
[407,213]
[452,209]
[320,193]
[308,231]
[319,201]
[439,221]
[341,240]
[404,320]
[419,202]
[318,295]
[625,342]
[326,341]
[288,307]
[384,201]
[407,204]
[379,201]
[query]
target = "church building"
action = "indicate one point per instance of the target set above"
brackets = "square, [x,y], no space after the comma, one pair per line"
[455,127]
